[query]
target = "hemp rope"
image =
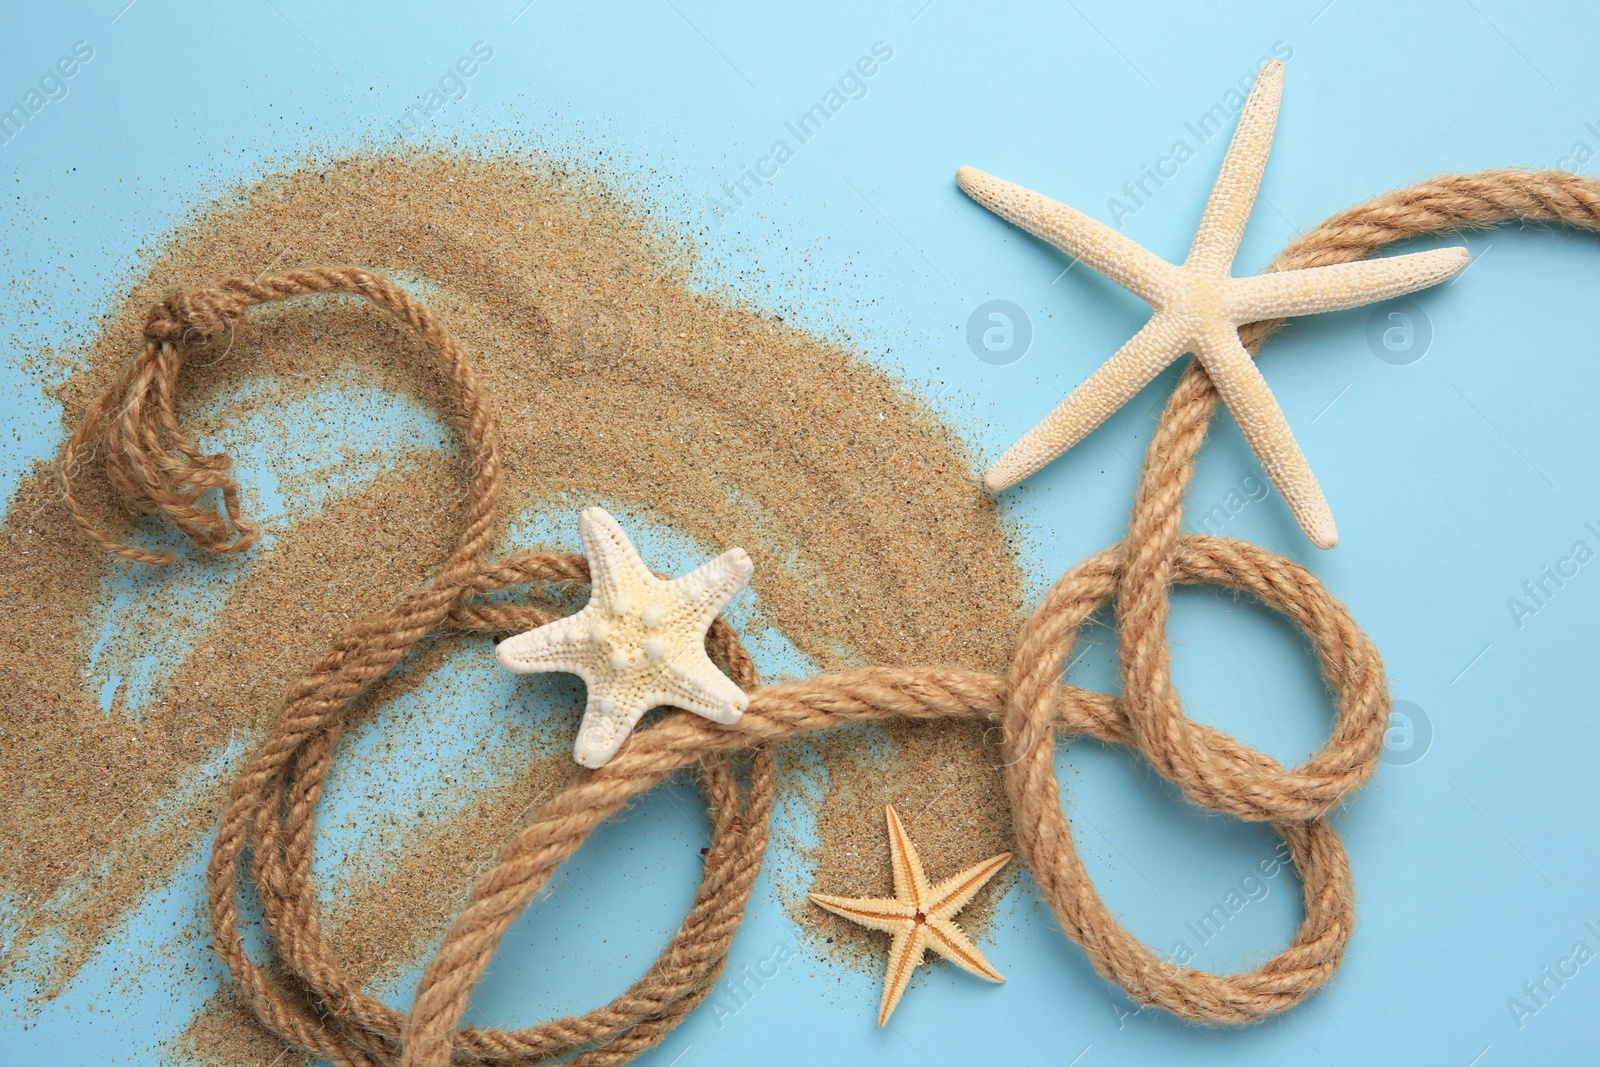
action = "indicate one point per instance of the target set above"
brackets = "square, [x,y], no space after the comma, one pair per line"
[307,1001]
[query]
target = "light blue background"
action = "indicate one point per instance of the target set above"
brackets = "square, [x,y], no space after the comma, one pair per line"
[1455,479]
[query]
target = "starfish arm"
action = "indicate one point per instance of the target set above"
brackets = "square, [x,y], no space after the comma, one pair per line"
[952,894]
[707,589]
[1145,355]
[1107,251]
[614,563]
[910,883]
[875,913]
[1341,285]
[1262,422]
[607,723]
[946,938]
[695,684]
[1234,194]
[907,951]
[562,645]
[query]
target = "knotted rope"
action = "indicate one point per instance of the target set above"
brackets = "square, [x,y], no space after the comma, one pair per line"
[270,816]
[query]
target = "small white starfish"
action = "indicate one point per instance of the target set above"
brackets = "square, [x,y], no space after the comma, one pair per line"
[918,915]
[1199,308]
[640,641]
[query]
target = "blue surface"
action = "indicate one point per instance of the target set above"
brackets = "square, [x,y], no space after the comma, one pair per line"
[1456,477]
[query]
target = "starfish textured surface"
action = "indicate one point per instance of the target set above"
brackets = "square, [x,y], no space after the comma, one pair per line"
[640,641]
[1199,307]
[919,916]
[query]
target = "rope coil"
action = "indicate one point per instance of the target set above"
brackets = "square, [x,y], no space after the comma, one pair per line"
[270,816]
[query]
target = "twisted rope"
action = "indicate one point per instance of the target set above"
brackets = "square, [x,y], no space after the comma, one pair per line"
[270,818]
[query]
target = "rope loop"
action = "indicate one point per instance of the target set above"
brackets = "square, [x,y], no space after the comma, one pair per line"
[1241,781]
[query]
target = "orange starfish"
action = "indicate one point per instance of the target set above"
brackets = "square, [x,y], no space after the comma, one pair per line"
[920,917]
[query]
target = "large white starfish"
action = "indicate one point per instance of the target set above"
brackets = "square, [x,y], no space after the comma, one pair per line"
[640,641]
[1199,308]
